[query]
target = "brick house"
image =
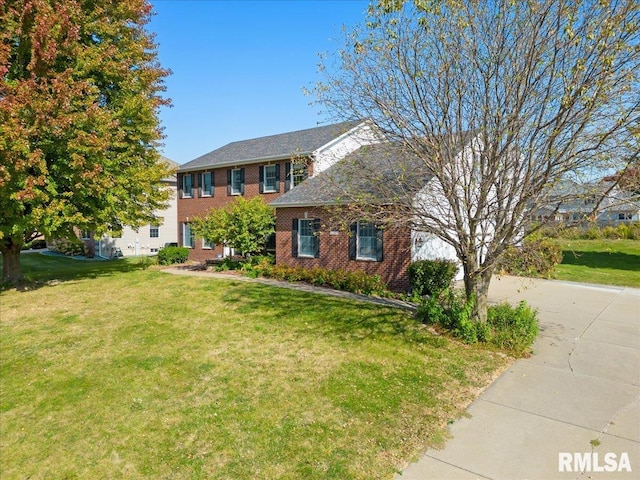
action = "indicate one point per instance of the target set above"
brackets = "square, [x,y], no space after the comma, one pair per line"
[314,226]
[267,166]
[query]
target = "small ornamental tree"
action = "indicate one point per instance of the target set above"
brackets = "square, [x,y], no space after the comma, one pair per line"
[242,225]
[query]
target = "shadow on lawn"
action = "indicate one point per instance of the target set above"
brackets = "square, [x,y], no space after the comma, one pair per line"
[616,260]
[40,270]
[352,320]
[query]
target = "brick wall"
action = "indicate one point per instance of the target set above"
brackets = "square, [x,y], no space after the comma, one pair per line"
[334,248]
[189,208]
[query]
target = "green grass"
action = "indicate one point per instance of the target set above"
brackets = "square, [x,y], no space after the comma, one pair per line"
[608,262]
[111,370]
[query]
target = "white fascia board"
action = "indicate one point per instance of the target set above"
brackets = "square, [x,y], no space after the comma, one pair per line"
[249,161]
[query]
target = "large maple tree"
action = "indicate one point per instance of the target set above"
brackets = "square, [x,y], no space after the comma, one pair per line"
[80,89]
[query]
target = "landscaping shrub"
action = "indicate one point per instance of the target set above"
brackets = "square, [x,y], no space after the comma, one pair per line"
[536,256]
[349,281]
[171,255]
[507,328]
[430,277]
[513,329]
[68,246]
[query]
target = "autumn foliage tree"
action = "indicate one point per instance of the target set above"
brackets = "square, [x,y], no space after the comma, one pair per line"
[549,90]
[80,88]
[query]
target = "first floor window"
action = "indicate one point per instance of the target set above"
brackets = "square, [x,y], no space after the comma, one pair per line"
[154,231]
[207,244]
[188,238]
[365,242]
[625,216]
[206,184]
[305,238]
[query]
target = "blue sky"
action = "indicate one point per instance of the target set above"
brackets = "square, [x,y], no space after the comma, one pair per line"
[239,67]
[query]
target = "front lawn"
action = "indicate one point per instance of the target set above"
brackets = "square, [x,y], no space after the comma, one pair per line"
[604,261]
[111,370]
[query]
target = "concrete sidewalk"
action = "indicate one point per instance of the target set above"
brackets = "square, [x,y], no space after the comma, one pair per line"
[582,384]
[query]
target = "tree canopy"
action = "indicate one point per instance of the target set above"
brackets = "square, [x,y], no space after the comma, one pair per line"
[547,90]
[80,89]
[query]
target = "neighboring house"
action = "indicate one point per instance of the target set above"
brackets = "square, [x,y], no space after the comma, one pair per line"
[266,166]
[600,202]
[310,220]
[147,239]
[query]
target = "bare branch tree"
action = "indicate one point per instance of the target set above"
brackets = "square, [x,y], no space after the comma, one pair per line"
[547,89]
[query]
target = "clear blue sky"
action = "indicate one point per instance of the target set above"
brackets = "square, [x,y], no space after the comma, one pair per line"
[239,67]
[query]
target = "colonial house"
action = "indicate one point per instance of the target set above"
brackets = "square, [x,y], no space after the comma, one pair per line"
[267,166]
[314,226]
[148,239]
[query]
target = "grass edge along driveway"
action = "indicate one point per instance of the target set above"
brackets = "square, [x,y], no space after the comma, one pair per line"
[139,374]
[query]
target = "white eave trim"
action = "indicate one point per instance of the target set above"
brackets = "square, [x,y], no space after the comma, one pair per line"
[339,139]
[306,204]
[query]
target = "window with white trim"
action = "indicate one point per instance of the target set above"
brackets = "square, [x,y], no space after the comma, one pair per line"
[235,181]
[304,237]
[187,185]
[206,244]
[206,184]
[188,237]
[367,241]
[270,178]
[299,173]
[154,231]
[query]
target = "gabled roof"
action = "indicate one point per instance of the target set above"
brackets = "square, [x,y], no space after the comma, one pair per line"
[377,172]
[273,147]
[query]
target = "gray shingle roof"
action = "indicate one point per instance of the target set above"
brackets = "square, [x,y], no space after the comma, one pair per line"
[380,173]
[284,145]
[377,172]
[172,164]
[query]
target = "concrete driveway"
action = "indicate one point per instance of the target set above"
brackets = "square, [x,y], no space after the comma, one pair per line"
[581,387]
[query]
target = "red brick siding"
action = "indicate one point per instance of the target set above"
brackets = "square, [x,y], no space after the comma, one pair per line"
[334,249]
[189,208]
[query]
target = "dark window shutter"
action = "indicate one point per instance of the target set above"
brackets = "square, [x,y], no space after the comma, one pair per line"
[294,238]
[261,178]
[229,182]
[353,232]
[213,183]
[316,237]
[287,176]
[379,234]
[277,177]
[180,183]
[181,234]
[242,181]
[200,182]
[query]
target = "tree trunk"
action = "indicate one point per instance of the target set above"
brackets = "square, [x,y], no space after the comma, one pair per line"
[11,272]
[476,285]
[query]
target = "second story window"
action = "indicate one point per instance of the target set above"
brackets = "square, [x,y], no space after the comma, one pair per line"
[206,184]
[235,181]
[270,179]
[187,185]
[296,173]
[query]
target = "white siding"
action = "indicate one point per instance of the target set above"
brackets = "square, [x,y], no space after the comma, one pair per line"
[140,242]
[339,148]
